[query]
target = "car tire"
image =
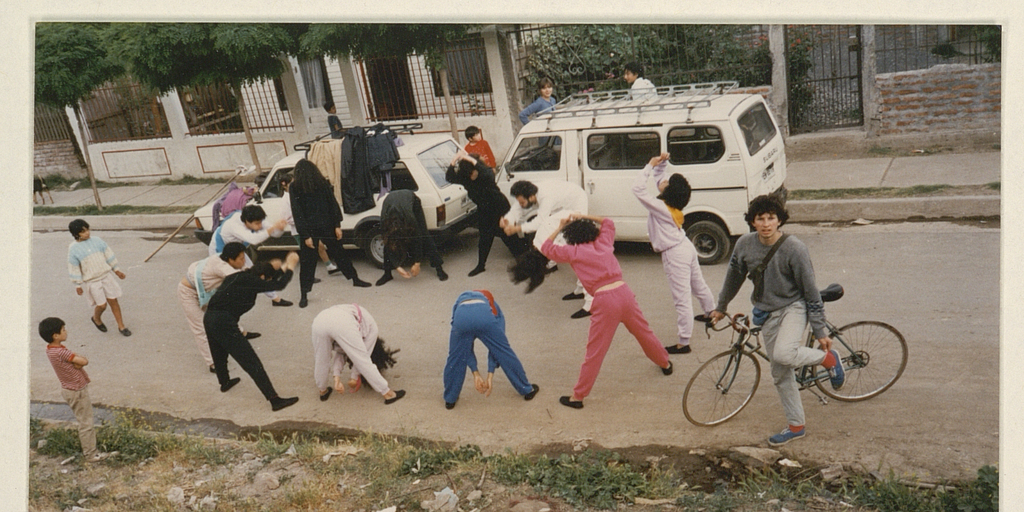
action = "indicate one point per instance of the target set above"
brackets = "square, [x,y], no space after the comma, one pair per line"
[711,241]
[372,243]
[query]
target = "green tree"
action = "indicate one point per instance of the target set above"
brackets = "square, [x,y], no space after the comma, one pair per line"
[70,62]
[366,41]
[165,56]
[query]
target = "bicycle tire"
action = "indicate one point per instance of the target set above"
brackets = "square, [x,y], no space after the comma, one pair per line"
[878,360]
[705,405]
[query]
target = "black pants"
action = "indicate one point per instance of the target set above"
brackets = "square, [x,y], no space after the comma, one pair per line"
[227,340]
[489,228]
[308,259]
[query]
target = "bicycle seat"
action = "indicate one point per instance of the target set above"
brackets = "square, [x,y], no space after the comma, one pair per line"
[832,292]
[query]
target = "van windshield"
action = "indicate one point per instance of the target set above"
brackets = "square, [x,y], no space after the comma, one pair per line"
[436,161]
[757,127]
[537,154]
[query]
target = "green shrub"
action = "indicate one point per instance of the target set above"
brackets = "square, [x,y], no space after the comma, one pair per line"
[426,462]
[125,436]
[981,495]
[62,442]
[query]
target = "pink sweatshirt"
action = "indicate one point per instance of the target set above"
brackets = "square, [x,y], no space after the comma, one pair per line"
[594,263]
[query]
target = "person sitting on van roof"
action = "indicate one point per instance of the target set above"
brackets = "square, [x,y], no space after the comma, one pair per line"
[544,102]
[640,87]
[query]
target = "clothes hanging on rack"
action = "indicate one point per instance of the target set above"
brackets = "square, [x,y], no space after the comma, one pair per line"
[357,181]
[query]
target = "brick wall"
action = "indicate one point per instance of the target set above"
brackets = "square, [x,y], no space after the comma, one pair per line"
[945,97]
[57,157]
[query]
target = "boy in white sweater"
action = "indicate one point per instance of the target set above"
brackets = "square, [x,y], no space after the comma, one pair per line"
[92,267]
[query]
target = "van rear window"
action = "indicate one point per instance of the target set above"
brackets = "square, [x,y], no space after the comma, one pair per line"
[695,145]
[757,127]
[630,150]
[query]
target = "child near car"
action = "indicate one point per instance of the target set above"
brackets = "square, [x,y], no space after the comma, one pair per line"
[74,383]
[478,146]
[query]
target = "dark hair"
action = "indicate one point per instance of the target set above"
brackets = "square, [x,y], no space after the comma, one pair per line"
[530,266]
[544,82]
[677,193]
[397,236]
[253,213]
[285,178]
[471,132]
[231,250]
[308,178]
[382,357]
[328,105]
[77,226]
[523,188]
[263,268]
[634,67]
[50,327]
[766,204]
[466,168]
[580,231]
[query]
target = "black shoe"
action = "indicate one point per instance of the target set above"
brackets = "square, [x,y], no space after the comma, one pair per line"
[568,402]
[325,396]
[303,302]
[582,313]
[384,279]
[316,280]
[450,405]
[212,369]
[277,403]
[476,271]
[282,303]
[125,332]
[572,296]
[675,349]
[333,271]
[441,275]
[252,335]
[398,396]
[229,384]
[550,270]
[359,283]
[667,371]
[531,394]
[100,326]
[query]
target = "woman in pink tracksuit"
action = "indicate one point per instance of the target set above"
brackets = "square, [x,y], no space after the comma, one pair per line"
[590,251]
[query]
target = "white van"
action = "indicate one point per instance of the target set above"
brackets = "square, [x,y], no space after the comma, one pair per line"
[727,145]
[423,160]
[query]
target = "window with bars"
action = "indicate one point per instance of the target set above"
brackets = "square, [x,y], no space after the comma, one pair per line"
[212,109]
[124,110]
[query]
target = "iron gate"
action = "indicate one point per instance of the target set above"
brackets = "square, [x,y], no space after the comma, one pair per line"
[824,75]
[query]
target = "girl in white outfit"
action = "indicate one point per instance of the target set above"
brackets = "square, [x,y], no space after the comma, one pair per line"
[348,332]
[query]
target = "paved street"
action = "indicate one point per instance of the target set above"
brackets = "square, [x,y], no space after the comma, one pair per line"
[941,418]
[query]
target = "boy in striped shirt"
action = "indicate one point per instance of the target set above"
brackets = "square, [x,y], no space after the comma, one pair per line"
[92,266]
[74,383]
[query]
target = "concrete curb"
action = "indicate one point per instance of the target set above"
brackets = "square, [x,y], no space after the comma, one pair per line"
[833,210]
[825,210]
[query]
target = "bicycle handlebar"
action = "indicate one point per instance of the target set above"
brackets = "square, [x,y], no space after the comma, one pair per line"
[739,322]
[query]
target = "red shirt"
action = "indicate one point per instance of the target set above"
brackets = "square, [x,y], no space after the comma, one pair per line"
[70,376]
[483,149]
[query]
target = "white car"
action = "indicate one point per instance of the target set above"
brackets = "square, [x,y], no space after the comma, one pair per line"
[423,160]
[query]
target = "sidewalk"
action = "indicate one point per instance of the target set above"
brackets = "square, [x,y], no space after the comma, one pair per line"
[943,169]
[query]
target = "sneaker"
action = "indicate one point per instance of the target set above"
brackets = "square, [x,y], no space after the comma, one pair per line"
[785,436]
[332,268]
[836,374]
[97,457]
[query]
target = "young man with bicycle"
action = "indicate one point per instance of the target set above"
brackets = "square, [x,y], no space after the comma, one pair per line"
[785,300]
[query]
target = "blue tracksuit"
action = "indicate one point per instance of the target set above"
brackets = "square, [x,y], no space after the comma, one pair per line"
[480,318]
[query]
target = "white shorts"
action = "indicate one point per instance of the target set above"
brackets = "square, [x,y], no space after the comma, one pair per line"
[98,291]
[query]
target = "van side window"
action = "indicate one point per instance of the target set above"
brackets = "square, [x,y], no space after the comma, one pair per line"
[695,145]
[401,179]
[630,150]
[537,154]
[757,127]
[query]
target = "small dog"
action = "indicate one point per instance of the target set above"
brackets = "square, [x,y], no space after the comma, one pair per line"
[38,187]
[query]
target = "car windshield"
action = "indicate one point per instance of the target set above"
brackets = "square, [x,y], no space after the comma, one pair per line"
[436,160]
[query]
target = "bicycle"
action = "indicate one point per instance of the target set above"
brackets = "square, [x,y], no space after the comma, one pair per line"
[874,355]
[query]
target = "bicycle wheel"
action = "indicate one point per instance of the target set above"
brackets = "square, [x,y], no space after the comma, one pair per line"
[721,388]
[874,355]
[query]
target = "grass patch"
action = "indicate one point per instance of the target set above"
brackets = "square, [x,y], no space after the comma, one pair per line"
[869,192]
[995,185]
[890,495]
[116,209]
[60,182]
[880,150]
[191,180]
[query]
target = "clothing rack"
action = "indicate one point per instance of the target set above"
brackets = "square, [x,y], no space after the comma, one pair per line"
[397,128]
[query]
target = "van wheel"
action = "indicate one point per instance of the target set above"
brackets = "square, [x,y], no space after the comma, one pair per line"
[710,240]
[373,245]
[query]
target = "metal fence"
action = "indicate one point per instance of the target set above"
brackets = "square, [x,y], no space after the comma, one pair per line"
[580,58]
[213,109]
[404,88]
[825,89]
[910,47]
[51,124]
[124,110]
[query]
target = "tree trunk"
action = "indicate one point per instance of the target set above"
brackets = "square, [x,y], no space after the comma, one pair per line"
[88,161]
[449,103]
[237,90]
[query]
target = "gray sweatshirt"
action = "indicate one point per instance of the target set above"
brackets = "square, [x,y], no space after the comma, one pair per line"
[788,278]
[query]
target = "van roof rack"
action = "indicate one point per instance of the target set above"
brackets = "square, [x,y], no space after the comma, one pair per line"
[623,101]
[397,128]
